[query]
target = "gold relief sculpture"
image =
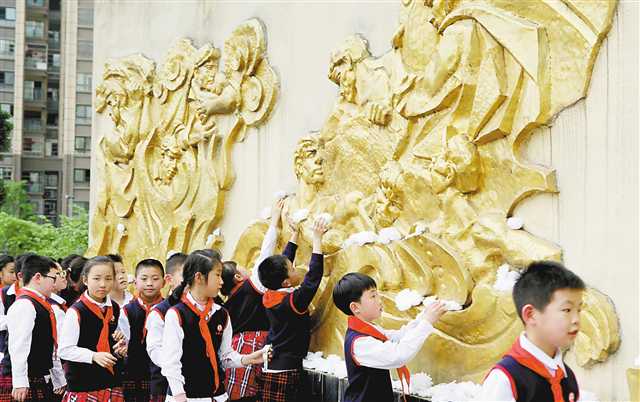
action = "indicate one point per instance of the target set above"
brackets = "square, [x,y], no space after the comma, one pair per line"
[424,145]
[166,163]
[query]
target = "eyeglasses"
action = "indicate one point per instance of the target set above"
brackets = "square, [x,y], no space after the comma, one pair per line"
[55,278]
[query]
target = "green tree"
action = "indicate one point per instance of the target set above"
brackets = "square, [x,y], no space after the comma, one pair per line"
[15,200]
[19,236]
[6,126]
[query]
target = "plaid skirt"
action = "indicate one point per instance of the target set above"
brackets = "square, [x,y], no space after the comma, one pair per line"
[39,389]
[243,382]
[136,390]
[157,398]
[103,395]
[281,387]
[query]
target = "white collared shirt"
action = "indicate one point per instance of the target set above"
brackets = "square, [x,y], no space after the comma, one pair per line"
[497,386]
[3,314]
[402,346]
[68,344]
[172,349]
[20,322]
[155,330]
[266,250]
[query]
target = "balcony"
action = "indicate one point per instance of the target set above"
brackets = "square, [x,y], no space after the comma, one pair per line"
[53,105]
[35,64]
[34,188]
[36,7]
[34,95]
[33,126]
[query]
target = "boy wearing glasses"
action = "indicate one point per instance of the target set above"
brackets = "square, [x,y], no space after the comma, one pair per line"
[32,360]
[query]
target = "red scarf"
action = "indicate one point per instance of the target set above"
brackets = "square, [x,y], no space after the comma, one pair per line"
[519,354]
[362,327]
[103,341]
[206,334]
[147,309]
[44,303]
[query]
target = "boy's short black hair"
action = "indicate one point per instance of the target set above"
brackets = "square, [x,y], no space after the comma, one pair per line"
[229,271]
[36,264]
[150,262]
[5,259]
[114,258]
[538,283]
[350,289]
[273,271]
[175,261]
[20,260]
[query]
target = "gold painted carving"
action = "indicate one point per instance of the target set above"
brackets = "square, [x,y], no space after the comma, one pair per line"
[421,157]
[165,165]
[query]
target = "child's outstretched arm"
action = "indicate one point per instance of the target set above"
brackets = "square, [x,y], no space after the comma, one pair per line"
[292,246]
[268,243]
[302,297]
[370,352]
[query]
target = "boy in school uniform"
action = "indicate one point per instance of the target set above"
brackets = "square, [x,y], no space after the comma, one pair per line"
[33,335]
[370,351]
[158,386]
[548,298]
[289,321]
[137,370]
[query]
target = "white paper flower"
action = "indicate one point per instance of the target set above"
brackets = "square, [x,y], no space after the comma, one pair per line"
[450,305]
[360,239]
[407,298]
[387,235]
[121,228]
[326,216]
[299,215]
[515,223]
[455,391]
[505,278]
[281,194]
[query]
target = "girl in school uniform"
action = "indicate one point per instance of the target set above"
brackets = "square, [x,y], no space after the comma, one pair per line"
[197,335]
[91,342]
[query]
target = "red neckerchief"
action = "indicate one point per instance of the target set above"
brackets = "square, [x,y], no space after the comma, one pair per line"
[44,303]
[206,334]
[147,309]
[519,354]
[362,327]
[103,341]
[272,298]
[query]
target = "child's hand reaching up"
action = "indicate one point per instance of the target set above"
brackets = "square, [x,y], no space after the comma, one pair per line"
[433,312]
[320,226]
[276,211]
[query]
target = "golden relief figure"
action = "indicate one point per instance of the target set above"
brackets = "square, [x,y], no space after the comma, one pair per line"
[420,164]
[166,163]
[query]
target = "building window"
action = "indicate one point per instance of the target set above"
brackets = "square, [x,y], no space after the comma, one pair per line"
[83,144]
[34,29]
[50,207]
[54,60]
[83,84]
[6,173]
[7,47]
[31,146]
[36,3]
[83,114]
[85,17]
[85,49]
[33,91]
[8,13]
[35,56]
[50,193]
[6,77]
[51,148]
[34,181]
[81,175]
[7,108]
[51,179]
